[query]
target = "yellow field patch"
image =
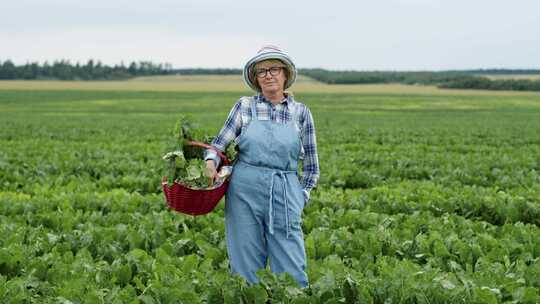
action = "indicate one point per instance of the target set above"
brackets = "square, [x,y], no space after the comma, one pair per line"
[234,83]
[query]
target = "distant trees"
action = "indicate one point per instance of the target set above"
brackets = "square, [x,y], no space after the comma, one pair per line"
[483,83]
[468,79]
[505,72]
[8,70]
[354,77]
[208,71]
[95,70]
[64,70]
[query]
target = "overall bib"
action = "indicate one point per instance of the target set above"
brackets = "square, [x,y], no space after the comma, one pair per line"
[264,202]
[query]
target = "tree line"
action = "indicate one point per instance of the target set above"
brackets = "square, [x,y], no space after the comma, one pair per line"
[483,83]
[467,79]
[95,70]
[91,70]
[360,77]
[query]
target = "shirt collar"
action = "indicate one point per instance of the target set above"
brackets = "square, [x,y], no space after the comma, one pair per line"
[288,100]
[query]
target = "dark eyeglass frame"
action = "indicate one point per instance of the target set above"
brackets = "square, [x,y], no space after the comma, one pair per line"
[274,71]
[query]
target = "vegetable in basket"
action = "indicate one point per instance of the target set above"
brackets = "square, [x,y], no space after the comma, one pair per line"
[185,164]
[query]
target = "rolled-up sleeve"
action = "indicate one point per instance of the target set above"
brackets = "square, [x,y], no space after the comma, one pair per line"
[229,132]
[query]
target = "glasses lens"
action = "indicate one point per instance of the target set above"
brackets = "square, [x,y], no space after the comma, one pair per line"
[275,70]
[261,73]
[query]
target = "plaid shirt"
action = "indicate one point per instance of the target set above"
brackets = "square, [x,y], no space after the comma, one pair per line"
[239,119]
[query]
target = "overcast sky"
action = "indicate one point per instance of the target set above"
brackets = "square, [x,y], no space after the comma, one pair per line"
[332,34]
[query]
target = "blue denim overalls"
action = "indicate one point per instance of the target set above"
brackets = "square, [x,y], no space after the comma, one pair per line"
[264,201]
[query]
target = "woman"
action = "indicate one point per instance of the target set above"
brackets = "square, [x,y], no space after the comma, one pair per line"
[265,198]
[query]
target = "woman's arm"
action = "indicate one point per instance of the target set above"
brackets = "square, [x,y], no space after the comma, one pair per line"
[310,163]
[229,132]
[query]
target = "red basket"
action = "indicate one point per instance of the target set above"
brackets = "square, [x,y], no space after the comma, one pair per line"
[195,202]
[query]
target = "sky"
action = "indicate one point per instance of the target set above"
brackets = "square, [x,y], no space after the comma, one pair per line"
[400,35]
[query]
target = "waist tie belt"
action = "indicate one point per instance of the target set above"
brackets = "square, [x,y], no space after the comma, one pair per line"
[283,175]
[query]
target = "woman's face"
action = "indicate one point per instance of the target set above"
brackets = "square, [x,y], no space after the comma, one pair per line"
[271,76]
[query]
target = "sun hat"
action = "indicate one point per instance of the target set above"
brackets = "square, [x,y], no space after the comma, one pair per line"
[265,53]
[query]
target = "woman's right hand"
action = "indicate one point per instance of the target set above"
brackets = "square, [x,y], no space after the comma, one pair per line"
[211,171]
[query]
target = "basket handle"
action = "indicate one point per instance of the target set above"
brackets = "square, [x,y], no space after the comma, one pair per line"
[203,145]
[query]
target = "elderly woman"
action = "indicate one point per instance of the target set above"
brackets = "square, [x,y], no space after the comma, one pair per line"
[265,197]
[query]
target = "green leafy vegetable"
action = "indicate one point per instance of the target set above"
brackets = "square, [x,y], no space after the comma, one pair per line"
[185,164]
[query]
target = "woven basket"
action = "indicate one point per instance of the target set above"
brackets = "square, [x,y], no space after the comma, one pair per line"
[195,202]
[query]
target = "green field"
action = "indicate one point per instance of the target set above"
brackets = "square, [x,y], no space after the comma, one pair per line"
[425,196]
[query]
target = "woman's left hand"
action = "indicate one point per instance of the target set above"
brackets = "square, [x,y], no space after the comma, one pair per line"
[211,171]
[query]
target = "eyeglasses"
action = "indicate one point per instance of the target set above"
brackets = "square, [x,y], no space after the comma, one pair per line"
[274,71]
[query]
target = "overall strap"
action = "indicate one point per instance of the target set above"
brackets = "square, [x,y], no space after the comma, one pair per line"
[253,109]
